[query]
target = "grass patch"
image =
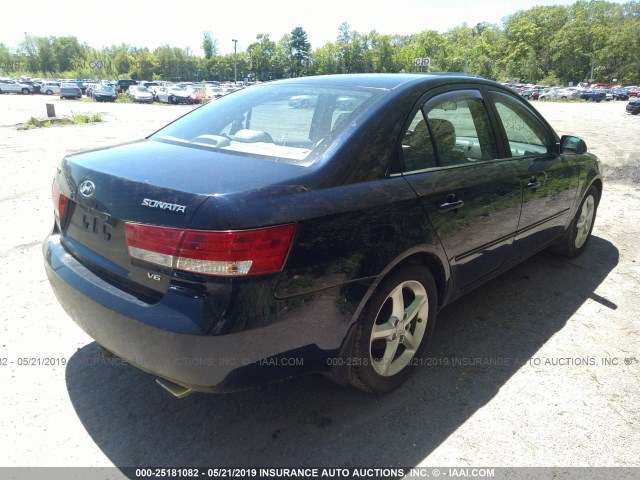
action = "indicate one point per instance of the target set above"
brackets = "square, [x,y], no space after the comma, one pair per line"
[75,119]
[34,122]
[123,98]
[80,118]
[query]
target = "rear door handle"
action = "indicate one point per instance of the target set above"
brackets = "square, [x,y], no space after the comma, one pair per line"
[451,204]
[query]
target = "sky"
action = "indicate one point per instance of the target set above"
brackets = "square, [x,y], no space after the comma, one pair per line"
[158,22]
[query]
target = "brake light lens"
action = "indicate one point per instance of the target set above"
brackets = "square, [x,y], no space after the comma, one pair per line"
[60,203]
[225,253]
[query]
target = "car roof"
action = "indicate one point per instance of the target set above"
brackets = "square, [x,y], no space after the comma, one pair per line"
[388,81]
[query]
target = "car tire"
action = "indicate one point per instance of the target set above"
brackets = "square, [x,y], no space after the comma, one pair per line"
[577,236]
[49,92]
[25,91]
[385,346]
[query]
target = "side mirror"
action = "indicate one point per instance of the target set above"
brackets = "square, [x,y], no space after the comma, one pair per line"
[570,144]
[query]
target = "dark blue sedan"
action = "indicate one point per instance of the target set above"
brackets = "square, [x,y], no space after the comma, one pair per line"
[249,241]
[593,96]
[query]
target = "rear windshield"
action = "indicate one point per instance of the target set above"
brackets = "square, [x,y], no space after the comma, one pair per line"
[286,123]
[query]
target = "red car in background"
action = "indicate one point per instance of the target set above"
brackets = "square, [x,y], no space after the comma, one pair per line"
[195,94]
[634,91]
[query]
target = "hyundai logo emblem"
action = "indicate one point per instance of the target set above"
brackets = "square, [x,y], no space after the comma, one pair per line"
[87,188]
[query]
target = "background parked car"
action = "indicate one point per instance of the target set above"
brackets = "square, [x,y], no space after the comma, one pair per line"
[123,85]
[104,93]
[633,107]
[139,94]
[608,95]
[548,94]
[620,94]
[154,89]
[82,86]
[111,84]
[35,85]
[11,86]
[90,88]
[174,95]
[70,90]
[213,91]
[195,94]
[560,93]
[148,84]
[50,88]
[303,101]
[593,96]
[532,94]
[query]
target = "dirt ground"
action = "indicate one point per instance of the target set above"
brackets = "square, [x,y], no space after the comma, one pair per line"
[540,367]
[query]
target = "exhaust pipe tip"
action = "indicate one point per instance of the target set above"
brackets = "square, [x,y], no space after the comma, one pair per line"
[178,391]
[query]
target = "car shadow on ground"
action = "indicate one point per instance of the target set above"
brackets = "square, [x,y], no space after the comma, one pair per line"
[309,421]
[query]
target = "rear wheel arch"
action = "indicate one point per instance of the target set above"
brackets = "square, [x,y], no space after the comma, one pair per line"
[432,263]
[394,328]
[598,184]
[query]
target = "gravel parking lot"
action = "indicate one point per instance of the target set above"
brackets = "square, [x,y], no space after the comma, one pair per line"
[540,367]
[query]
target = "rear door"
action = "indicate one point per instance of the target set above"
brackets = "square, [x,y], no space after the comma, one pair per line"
[471,196]
[550,182]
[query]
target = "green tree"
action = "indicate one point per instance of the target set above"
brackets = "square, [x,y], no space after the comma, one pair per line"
[28,54]
[261,55]
[209,45]
[382,52]
[300,49]
[325,60]
[6,60]
[65,51]
[344,46]
[144,65]
[46,56]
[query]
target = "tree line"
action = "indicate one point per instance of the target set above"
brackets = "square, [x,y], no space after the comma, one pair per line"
[587,40]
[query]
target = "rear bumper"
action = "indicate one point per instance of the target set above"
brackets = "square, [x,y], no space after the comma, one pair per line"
[300,341]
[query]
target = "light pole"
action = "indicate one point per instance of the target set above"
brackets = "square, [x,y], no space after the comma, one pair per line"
[235,69]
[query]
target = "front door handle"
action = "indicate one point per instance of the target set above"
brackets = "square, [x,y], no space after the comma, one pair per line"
[533,183]
[451,203]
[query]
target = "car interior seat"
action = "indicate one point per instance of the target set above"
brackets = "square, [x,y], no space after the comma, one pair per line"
[419,152]
[445,138]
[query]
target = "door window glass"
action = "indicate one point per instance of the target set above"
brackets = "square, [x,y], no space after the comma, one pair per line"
[417,148]
[460,127]
[456,131]
[525,134]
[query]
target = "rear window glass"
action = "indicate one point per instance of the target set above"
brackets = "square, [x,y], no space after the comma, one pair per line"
[285,123]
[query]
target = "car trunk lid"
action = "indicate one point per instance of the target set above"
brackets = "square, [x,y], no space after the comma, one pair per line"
[150,183]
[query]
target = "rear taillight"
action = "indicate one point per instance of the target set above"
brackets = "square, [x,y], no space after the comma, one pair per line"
[227,253]
[60,203]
